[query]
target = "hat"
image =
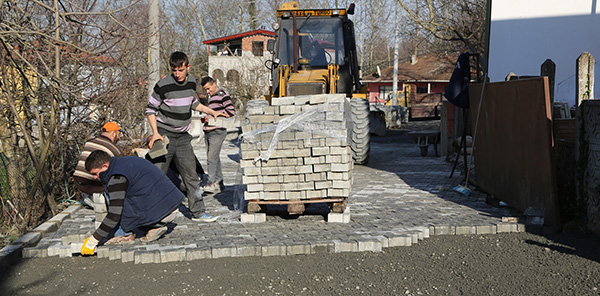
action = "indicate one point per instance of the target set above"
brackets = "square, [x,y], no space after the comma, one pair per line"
[110,127]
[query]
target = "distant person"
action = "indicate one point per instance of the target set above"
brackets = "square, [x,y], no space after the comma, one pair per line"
[169,113]
[140,197]
[220,101]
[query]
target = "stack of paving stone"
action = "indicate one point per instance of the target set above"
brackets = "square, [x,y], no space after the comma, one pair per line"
[297,148]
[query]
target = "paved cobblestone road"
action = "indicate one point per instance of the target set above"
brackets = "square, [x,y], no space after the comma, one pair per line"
[397,199]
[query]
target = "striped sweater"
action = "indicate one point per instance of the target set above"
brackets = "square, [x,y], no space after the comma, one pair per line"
[220,102]
[172,103]
[117,188]
[100,142]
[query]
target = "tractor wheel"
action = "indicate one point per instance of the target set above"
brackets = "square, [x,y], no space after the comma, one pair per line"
[361,138]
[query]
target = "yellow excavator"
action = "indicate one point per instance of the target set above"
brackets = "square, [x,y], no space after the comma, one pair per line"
[314,52]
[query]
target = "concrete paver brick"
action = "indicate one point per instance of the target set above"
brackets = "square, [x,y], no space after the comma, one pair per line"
[65,251]
[345,246]
[127,256]
[248,250]
[29,239]
[463,229]
[444,230]
[321,248]
[274,250]
[35,252]
[297,249]
[220,252]
[403,240]
[59,218]
[368,244]
[382,239]
[424,231]
[45,228]
[72,238]
[486,229]
[71,209]
[338,217]
[147,256]
[103,252]
[173,255]
[506,227]
[198,253]
[114,254]
[414,236]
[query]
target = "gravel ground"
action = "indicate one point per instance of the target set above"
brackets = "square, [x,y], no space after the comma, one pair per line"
[500,264]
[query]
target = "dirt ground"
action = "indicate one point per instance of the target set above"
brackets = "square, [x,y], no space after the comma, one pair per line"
[500,264]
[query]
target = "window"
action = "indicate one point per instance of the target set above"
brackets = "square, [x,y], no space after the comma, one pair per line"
[218,76]
[324,34]
[422,90]
[233,76]
[385,92]
[257,48]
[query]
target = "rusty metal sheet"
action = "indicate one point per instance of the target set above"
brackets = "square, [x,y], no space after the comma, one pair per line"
[514,158]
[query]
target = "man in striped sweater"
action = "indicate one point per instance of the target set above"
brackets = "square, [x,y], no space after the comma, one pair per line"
[106,141]
[218,100]
[140,197]
[169,113]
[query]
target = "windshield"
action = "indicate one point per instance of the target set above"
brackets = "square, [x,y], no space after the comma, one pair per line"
[319,40]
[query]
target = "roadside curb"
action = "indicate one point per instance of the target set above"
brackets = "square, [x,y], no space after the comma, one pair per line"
[13,252]
[153,253]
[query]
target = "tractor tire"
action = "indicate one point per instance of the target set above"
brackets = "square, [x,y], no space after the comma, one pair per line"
[360,143]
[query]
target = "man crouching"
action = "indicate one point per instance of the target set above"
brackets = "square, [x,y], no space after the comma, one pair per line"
[140,196]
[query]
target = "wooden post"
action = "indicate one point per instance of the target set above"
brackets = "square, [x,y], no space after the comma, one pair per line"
[584,78]
[549,69]
[584,90]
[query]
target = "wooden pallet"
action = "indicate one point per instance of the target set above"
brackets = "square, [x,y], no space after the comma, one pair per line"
[297,207]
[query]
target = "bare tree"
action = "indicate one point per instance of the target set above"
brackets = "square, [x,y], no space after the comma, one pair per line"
[65,67]
[374,25]
[450,20]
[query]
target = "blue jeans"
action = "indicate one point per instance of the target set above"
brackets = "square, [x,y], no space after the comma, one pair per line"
[214,141]
[181,151]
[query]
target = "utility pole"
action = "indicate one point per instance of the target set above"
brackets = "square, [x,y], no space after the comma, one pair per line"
[396,49]
[153,48]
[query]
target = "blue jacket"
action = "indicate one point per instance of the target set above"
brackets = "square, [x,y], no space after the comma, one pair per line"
[150,195]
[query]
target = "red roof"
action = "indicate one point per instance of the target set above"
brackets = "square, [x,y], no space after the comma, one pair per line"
[427,68]
[238,36]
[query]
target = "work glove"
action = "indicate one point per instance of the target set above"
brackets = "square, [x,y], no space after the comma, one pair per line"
[89,245]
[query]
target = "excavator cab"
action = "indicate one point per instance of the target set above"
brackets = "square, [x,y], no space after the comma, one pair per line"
[314,52]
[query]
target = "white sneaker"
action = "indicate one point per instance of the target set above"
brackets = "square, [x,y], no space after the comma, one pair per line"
[205,218]
[212,188]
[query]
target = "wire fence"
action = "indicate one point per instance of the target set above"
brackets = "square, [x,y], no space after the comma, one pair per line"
[16,182]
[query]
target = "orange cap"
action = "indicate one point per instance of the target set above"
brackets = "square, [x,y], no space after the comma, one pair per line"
[110,127]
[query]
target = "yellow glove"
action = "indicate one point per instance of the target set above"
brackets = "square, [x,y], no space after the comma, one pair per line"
[89,245]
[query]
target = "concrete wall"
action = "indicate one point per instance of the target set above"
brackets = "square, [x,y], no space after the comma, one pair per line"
[523,34]
[251,70]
